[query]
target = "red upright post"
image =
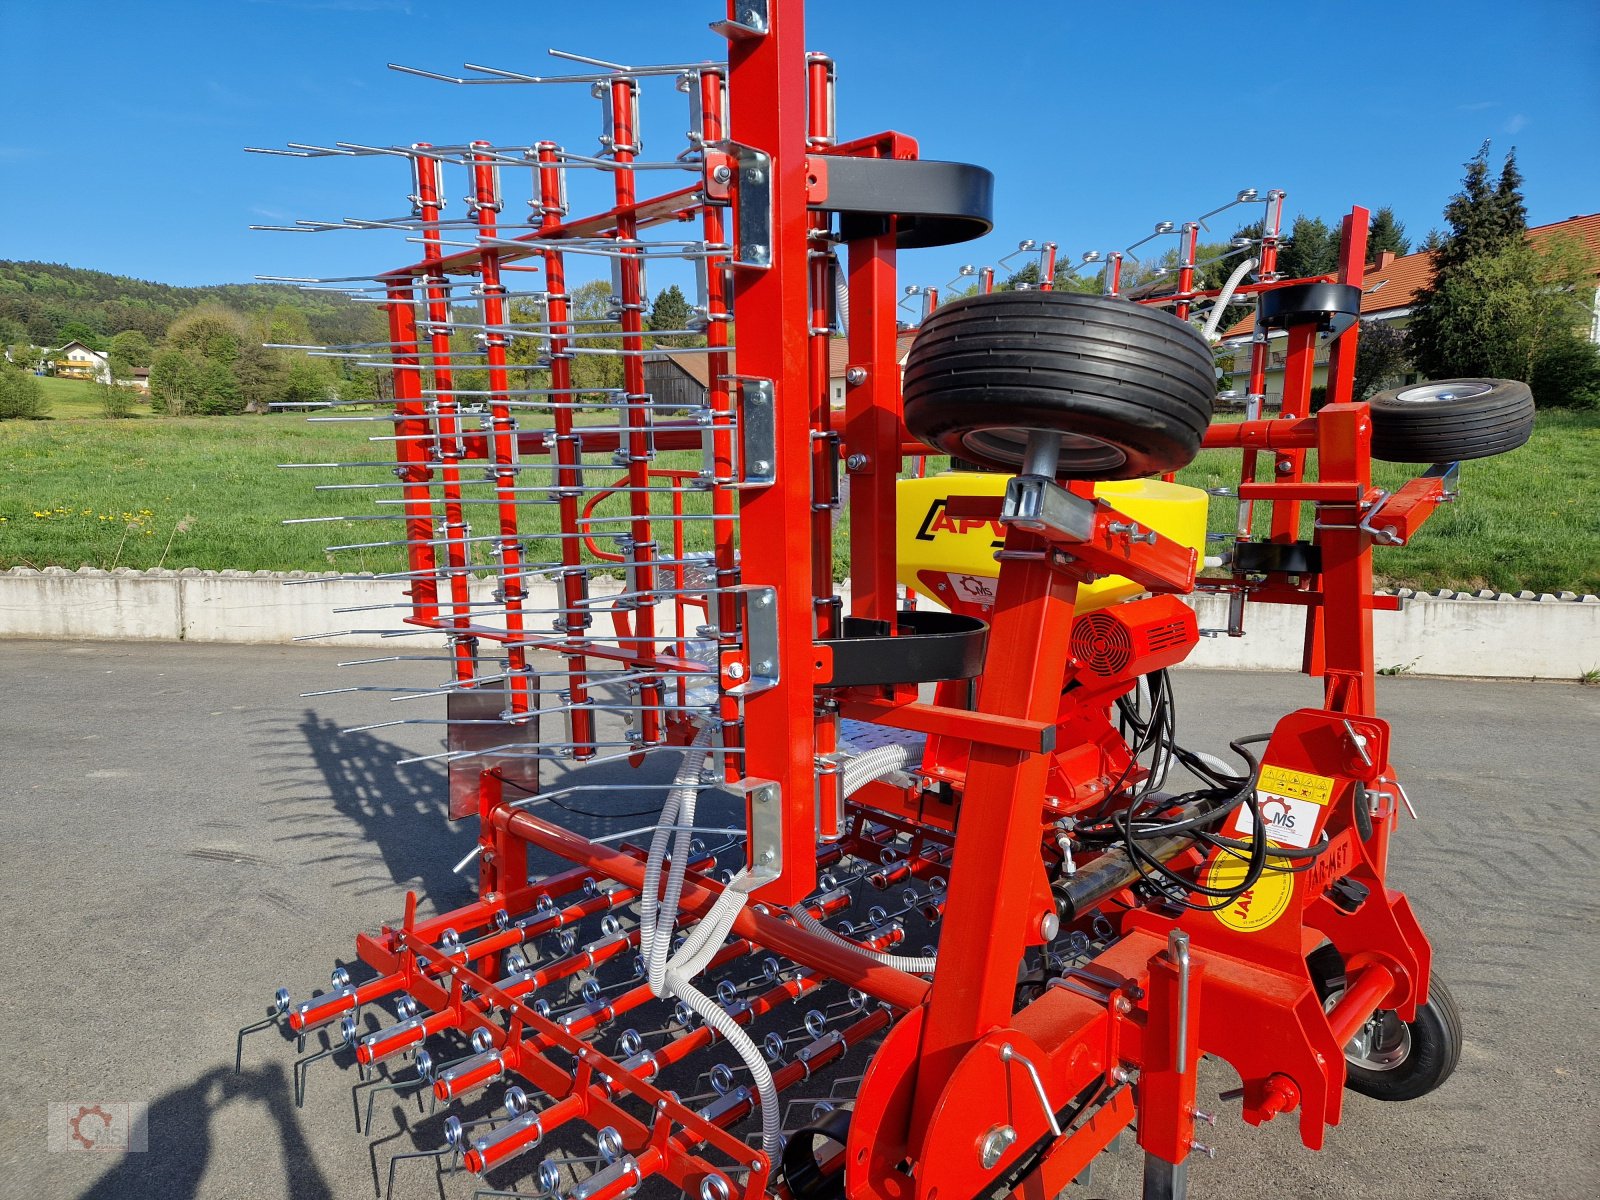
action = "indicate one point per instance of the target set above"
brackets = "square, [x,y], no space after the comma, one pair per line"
[503,434]
[768,112]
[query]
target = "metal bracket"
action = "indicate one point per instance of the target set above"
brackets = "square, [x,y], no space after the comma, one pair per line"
[758,430]
[1450,473]
[765,798]
[610,1179]
[759,625]
[749,171]
[1043,506]
[1385,536]
[754,20]
[724,1104]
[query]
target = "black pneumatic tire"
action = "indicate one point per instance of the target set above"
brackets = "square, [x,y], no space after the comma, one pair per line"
[1129,388]
[1424,1052]
[1450,419]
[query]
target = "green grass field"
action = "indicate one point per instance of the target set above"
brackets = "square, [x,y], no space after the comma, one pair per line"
[208,492]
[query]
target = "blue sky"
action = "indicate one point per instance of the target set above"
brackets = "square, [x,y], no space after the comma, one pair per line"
[121,147]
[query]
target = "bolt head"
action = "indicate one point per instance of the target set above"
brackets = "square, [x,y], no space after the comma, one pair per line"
[994,1145]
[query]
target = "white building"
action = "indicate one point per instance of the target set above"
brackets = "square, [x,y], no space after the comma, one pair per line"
[77,361]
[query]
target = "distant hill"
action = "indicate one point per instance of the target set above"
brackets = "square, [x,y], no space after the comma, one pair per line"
[38,300]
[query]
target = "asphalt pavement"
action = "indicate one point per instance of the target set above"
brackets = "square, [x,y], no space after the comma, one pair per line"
[183,833]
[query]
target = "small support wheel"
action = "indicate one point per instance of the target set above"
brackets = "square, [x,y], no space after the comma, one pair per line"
[1127,389]
[1450,420]
[808,1175]
[1391,1059]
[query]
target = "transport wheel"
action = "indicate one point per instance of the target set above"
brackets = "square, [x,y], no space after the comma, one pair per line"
[1450,419]
[1391,1059]
[1129,389]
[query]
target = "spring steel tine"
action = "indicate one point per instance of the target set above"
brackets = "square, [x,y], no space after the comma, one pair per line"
[394,1159]
[275,1016]
[302,1066]
[417,1087]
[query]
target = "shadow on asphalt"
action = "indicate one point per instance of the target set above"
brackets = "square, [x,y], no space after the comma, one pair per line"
[183,1118]
[352,796]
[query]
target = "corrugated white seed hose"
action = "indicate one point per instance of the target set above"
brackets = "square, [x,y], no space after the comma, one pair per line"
[1209,329]
[841,292]
[860,770]
[657,913]
[670,975]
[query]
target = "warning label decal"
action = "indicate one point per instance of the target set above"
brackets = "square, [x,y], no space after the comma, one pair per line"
[1291,803]
[1297,785]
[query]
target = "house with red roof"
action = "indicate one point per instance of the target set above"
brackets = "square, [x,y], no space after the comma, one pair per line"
[1389,290]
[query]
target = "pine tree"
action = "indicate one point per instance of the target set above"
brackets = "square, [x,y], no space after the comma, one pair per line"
[1386,233]
[1466,321]
[1311,249]
[1509,208]
[672,315]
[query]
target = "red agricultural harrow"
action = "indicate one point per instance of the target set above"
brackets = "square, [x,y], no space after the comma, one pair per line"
[912,912]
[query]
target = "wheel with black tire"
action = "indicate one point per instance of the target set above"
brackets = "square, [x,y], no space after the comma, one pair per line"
[1391,1059]
[1128,389]
[1450,419]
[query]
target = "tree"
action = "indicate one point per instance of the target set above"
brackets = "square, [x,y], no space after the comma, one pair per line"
[1310,249]
[116,401]
[220,394]
[77,331]
[128,350]
[1477,316]
[21,396]
[210,332]
[672,315]
[593,313]
[1509,210]
[1386,233]
[307,381]
[175,382]
[1381,357]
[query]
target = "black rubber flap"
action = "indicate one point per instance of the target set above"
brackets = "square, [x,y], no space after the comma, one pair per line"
[928,646]
[934,203]
[1322,303]
[1291,558]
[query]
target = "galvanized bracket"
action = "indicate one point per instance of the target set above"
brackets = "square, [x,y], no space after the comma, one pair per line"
[743,175]
[758,430]
[746,19]
[758,625]
[764,798]
[1035,503]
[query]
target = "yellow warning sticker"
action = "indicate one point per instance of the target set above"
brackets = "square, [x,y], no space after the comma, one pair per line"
[1295,785]
[1257,908]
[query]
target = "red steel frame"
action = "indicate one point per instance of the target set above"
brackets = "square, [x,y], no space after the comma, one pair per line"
[947,1074]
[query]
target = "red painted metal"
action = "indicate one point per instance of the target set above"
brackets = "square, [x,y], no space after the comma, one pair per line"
[1022,770]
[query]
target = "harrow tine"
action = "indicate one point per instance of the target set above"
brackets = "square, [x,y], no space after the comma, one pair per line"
[424,1064]
[394,1160]
[302,1066]
[275,1015]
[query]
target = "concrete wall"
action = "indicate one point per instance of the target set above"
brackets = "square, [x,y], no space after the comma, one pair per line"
[1487,634]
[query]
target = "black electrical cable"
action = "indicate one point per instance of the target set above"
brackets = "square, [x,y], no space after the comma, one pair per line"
[1153,871]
